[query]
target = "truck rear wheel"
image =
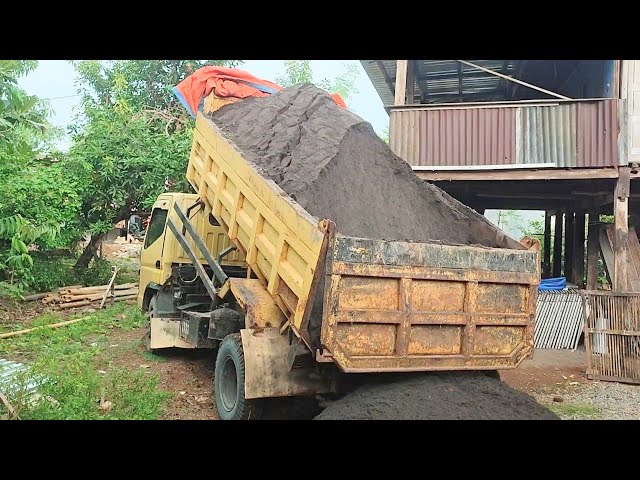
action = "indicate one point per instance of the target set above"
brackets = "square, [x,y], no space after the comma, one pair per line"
[229,382]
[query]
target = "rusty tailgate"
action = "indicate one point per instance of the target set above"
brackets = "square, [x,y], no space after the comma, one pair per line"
[400,306]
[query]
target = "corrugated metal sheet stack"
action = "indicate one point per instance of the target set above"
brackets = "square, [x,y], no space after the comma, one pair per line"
[559,319]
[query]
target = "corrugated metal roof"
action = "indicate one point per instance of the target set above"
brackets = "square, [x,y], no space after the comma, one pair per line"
[15,376]
[440,78]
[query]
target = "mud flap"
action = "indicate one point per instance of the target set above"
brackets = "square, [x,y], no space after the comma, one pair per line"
[165,333]
[267,372]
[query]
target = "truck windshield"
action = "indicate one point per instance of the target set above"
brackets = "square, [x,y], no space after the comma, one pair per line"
[156,226]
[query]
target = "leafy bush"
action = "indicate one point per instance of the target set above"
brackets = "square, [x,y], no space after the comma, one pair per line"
[54,272]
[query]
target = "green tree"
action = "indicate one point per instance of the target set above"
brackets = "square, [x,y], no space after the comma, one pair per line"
[385,135]
[300,71]
[509,220]
[132,140]
[31,198]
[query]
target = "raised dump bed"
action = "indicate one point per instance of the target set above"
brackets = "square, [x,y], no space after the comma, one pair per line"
[368,304]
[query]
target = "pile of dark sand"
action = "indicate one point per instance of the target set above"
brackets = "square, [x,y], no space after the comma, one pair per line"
[333,164]
[437,396]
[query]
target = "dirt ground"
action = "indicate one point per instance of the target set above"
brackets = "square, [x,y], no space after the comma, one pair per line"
[547,369]
[187,375]
[555,378]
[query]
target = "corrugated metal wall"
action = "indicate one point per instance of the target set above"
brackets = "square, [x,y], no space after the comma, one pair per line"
[466,136]
[546,135]
[598,128]
[580,134]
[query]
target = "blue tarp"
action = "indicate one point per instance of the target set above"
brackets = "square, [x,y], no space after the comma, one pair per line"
[559,283]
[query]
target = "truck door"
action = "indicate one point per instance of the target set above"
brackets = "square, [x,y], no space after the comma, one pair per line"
[151,263]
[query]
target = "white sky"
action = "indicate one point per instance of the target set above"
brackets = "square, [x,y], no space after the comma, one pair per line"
[55,80]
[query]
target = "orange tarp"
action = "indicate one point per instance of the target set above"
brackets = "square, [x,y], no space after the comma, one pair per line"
[226,82]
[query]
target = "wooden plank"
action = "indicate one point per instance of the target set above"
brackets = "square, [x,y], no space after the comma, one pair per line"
[539,102]
[547,174]
[621,227]
[577,267]
[557,246]
[457,168]
[401,82]
[592,252]
[515,80]
[109,287]
[411,81]
[607,252]
[546,263]
[460,65]
[634,250]
[51,325]
[569,233]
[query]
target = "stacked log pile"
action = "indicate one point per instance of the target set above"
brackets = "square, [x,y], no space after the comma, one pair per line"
[77,296]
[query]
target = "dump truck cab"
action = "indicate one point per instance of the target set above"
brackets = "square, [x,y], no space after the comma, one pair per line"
[167,277]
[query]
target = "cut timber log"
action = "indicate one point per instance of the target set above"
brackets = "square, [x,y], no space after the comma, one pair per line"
[97,288]
[36,296]
[51,299]
[127,297]
[98,296]
[81,303]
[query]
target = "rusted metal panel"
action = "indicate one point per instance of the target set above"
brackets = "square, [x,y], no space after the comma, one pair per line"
[564,134]
[267,373]
[260,309]
[546,134]
[400,306]
[612,335]
[454,137]
[598,125]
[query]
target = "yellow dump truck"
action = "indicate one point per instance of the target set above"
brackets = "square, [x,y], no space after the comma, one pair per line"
[291,304]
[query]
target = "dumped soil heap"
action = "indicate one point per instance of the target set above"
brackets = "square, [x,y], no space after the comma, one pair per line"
[333,164]
[437,396]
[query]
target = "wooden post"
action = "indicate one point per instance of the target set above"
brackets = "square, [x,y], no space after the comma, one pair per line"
[578,250]
[401,82]
[557,246]
[569,233]
[621,226]
[592,252]
[546,262]
[411,81]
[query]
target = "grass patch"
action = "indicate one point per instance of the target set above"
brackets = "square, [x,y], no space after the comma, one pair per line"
[69,357]
[128,271]
[574,411]
[151,357]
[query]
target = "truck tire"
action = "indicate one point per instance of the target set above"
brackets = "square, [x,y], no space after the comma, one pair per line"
[152,311]
[229,382]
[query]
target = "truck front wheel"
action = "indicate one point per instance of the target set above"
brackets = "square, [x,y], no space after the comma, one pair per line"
[229,382]
[152,313]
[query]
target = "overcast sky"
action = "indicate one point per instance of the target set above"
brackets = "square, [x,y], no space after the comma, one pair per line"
[55,80]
